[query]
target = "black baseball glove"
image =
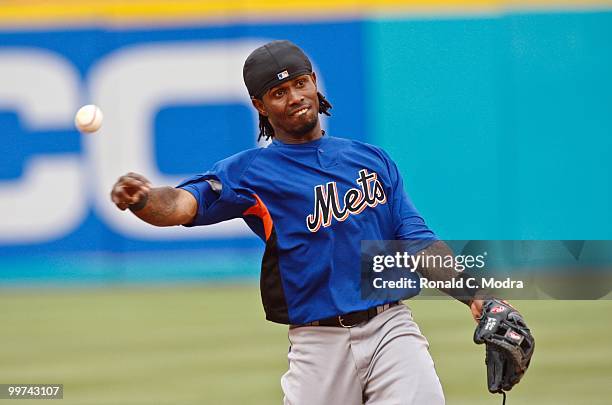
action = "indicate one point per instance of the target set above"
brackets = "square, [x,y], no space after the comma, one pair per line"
[509,344]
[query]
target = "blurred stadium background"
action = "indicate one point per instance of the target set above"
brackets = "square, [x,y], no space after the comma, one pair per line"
[498,113]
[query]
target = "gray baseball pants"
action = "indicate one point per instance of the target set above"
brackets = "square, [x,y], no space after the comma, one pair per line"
[385,361]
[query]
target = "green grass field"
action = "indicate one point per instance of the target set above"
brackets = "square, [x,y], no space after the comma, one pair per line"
[211,345]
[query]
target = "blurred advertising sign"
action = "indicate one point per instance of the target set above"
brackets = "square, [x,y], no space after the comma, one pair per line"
[174,103]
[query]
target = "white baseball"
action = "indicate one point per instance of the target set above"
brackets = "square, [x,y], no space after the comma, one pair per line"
[88,118]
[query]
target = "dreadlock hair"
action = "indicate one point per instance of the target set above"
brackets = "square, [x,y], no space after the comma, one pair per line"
[266,131]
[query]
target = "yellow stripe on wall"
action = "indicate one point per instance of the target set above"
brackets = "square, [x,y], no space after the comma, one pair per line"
[86,12]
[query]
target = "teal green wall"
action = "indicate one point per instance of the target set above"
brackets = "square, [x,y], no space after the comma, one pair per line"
[502,126]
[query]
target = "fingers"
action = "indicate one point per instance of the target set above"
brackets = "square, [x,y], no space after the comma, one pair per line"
[129,193]
[138,177]
[476,309]
[133,180]
[129,189]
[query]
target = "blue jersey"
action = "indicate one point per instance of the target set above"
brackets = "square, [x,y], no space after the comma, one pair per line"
[312,204]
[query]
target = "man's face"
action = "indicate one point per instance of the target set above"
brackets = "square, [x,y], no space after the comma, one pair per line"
[293,106]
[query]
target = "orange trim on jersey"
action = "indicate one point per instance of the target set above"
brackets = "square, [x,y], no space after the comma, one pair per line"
[259,209]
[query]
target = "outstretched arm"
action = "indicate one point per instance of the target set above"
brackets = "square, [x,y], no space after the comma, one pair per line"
[159,206]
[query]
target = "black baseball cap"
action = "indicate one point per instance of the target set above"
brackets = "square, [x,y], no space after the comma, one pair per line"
[272,64]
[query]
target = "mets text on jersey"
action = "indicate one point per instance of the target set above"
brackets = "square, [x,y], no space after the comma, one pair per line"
[327,206]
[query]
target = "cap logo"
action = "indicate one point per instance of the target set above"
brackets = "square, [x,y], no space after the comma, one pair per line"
[282,75]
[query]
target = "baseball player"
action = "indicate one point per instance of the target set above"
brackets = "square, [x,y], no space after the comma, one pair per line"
[312,198]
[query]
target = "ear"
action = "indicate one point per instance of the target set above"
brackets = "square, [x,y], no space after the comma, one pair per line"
[259,105]
[314,78]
